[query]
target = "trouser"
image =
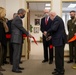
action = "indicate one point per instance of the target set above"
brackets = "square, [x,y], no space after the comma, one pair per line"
[59,58]
[10,52]
[21,52]
[16,55]
[46,45]
[72,51]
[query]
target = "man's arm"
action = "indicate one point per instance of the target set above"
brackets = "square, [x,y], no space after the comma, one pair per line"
[18,24]
[54,27]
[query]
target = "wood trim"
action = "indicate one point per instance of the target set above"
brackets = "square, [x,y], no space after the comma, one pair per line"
[69,0]
[38,0]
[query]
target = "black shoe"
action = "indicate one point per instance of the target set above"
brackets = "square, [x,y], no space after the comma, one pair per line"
[54,72]
[44,61]
[17,71]
[58,73]
[50,62]
[71,61]
[20,68]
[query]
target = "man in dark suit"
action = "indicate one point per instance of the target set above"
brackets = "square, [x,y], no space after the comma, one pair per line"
[45,25]
[58,40]
[8,40]
[17,30]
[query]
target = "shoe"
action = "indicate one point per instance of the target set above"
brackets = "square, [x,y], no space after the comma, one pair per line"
[17,71]
[58,73]
[71,61]
[20,68]
[50,62]
[54,72]
[44,61]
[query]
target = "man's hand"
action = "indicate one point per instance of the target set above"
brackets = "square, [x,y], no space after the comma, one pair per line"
[47,39]
[30,36]
[45,33]
[75,34]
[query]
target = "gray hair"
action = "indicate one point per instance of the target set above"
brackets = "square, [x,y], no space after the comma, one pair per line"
[20,11]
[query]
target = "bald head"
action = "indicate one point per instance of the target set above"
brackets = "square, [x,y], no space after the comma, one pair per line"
[52,15]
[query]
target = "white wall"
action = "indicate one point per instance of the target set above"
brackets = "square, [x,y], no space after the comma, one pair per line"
[32,22]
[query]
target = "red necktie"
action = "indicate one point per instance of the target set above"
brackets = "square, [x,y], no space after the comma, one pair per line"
[46,21]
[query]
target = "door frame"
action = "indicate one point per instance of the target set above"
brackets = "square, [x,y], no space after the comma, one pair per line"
[28,24]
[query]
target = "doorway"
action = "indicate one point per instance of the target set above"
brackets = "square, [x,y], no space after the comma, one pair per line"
[34,18]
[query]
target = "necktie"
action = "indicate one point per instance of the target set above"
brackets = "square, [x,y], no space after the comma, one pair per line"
[46,21]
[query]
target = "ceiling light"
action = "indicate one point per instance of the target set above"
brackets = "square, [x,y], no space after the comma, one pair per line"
[47,7]
[47,4]
[72,6]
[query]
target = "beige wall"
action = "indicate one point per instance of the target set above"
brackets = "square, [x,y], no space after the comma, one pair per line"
[32,22]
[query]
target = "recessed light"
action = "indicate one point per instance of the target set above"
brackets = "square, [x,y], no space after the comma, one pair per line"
[72,6]
[47,4]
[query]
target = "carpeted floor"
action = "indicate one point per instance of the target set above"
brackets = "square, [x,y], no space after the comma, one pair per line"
[34,65]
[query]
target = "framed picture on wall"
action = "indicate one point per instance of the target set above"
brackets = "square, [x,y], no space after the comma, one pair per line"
[36,29]
[37,21]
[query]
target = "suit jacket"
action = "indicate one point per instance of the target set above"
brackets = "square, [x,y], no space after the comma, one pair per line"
[43,26]
[17,30]
[58,32]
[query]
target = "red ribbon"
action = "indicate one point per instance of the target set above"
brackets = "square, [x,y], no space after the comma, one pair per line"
[51,46]
[72,39]
[8,36]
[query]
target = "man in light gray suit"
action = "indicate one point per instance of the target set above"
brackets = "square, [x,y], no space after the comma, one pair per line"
[17,30]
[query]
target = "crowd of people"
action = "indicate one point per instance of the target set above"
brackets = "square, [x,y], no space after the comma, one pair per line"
[54,35]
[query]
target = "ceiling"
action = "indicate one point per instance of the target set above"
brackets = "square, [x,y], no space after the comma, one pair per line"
[65,6]
[41,6]
[37,6]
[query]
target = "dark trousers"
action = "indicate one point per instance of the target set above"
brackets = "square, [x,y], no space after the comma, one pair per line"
[59,58]
[72,51]
[16,55]
[4,48]
[10,52]
[46,45]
